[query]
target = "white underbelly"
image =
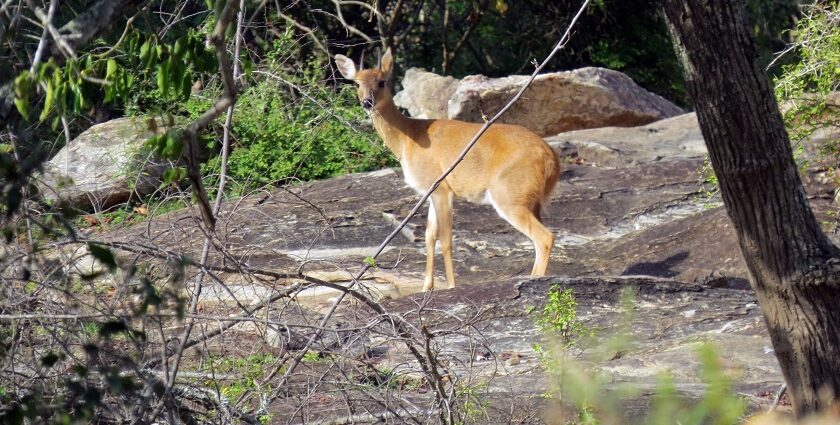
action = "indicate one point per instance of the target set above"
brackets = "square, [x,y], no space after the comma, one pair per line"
[482,197]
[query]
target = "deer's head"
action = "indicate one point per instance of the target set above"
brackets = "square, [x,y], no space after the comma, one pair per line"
[372,83]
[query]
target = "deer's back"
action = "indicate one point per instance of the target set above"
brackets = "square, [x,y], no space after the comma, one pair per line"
[505,153]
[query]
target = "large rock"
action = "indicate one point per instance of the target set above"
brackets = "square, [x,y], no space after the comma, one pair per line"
[670,139]
[104,166]
[425,94]
[554,103]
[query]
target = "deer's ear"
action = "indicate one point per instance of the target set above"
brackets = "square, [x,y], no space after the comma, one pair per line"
[345,66]
[386,65]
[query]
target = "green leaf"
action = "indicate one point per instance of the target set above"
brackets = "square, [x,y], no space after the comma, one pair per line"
[162,79]
[103,254]
[78,98]
[370,261]
[145,52]
[111,69]
[24,84]
[48,101]
[186,85]
[171,147]
[180,45]
[173,175]
[247,67]
[22,105]
[43,69]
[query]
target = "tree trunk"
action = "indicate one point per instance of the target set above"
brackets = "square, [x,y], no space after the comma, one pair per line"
[795,268]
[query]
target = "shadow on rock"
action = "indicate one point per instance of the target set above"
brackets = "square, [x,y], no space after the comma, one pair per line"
[662,268]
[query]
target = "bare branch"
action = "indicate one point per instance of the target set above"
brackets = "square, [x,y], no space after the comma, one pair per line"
[308,31]
[42,44]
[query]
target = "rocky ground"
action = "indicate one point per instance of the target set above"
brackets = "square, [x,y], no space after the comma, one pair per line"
[631,211]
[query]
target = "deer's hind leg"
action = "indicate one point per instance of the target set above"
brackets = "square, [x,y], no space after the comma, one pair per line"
[525,217]
[431,239]
[443,208]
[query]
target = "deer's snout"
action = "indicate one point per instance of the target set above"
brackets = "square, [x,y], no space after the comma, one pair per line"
[367,103]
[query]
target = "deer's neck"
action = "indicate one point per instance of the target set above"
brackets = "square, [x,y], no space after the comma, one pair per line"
[392,126]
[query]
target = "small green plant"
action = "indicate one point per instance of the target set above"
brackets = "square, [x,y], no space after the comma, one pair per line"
[474,405]
[711,186]
[90,329]
[559,320]
[312,356]
[266,418]
[248,368]
[560,324]
[585,388]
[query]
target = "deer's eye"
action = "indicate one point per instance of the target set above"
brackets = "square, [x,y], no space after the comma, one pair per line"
[381,83]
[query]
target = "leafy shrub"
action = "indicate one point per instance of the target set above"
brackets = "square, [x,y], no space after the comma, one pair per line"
[293,124]
[600,401]
[805,85]
[277,138]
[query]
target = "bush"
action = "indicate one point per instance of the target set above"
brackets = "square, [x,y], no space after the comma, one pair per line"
[805,86]
[278,138]
[293,123]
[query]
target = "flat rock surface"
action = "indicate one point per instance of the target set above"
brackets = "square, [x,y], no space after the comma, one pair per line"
[668,323]
[673,138]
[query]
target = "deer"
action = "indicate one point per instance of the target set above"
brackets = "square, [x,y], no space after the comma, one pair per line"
[510,167]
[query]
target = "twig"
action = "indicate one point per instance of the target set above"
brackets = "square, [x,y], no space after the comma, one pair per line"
[340,17]
[46,21]
[122,37]
[42,43]
[309,31]
[229,119]
[190,154]
[370,418]
[778,397]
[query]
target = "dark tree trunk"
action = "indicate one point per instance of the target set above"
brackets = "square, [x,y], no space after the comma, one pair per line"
[795,268]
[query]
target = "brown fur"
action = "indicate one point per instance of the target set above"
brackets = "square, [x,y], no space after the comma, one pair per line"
[510,165]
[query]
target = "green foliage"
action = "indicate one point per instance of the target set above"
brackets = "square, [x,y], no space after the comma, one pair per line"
[293,126]
[165,70]
[711,186]
[68,89]
[370,262]
[563,329]
[312,356]
[475,403]
[248,368]
[559,319]
[583,387]
[285,140]
[804,86]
